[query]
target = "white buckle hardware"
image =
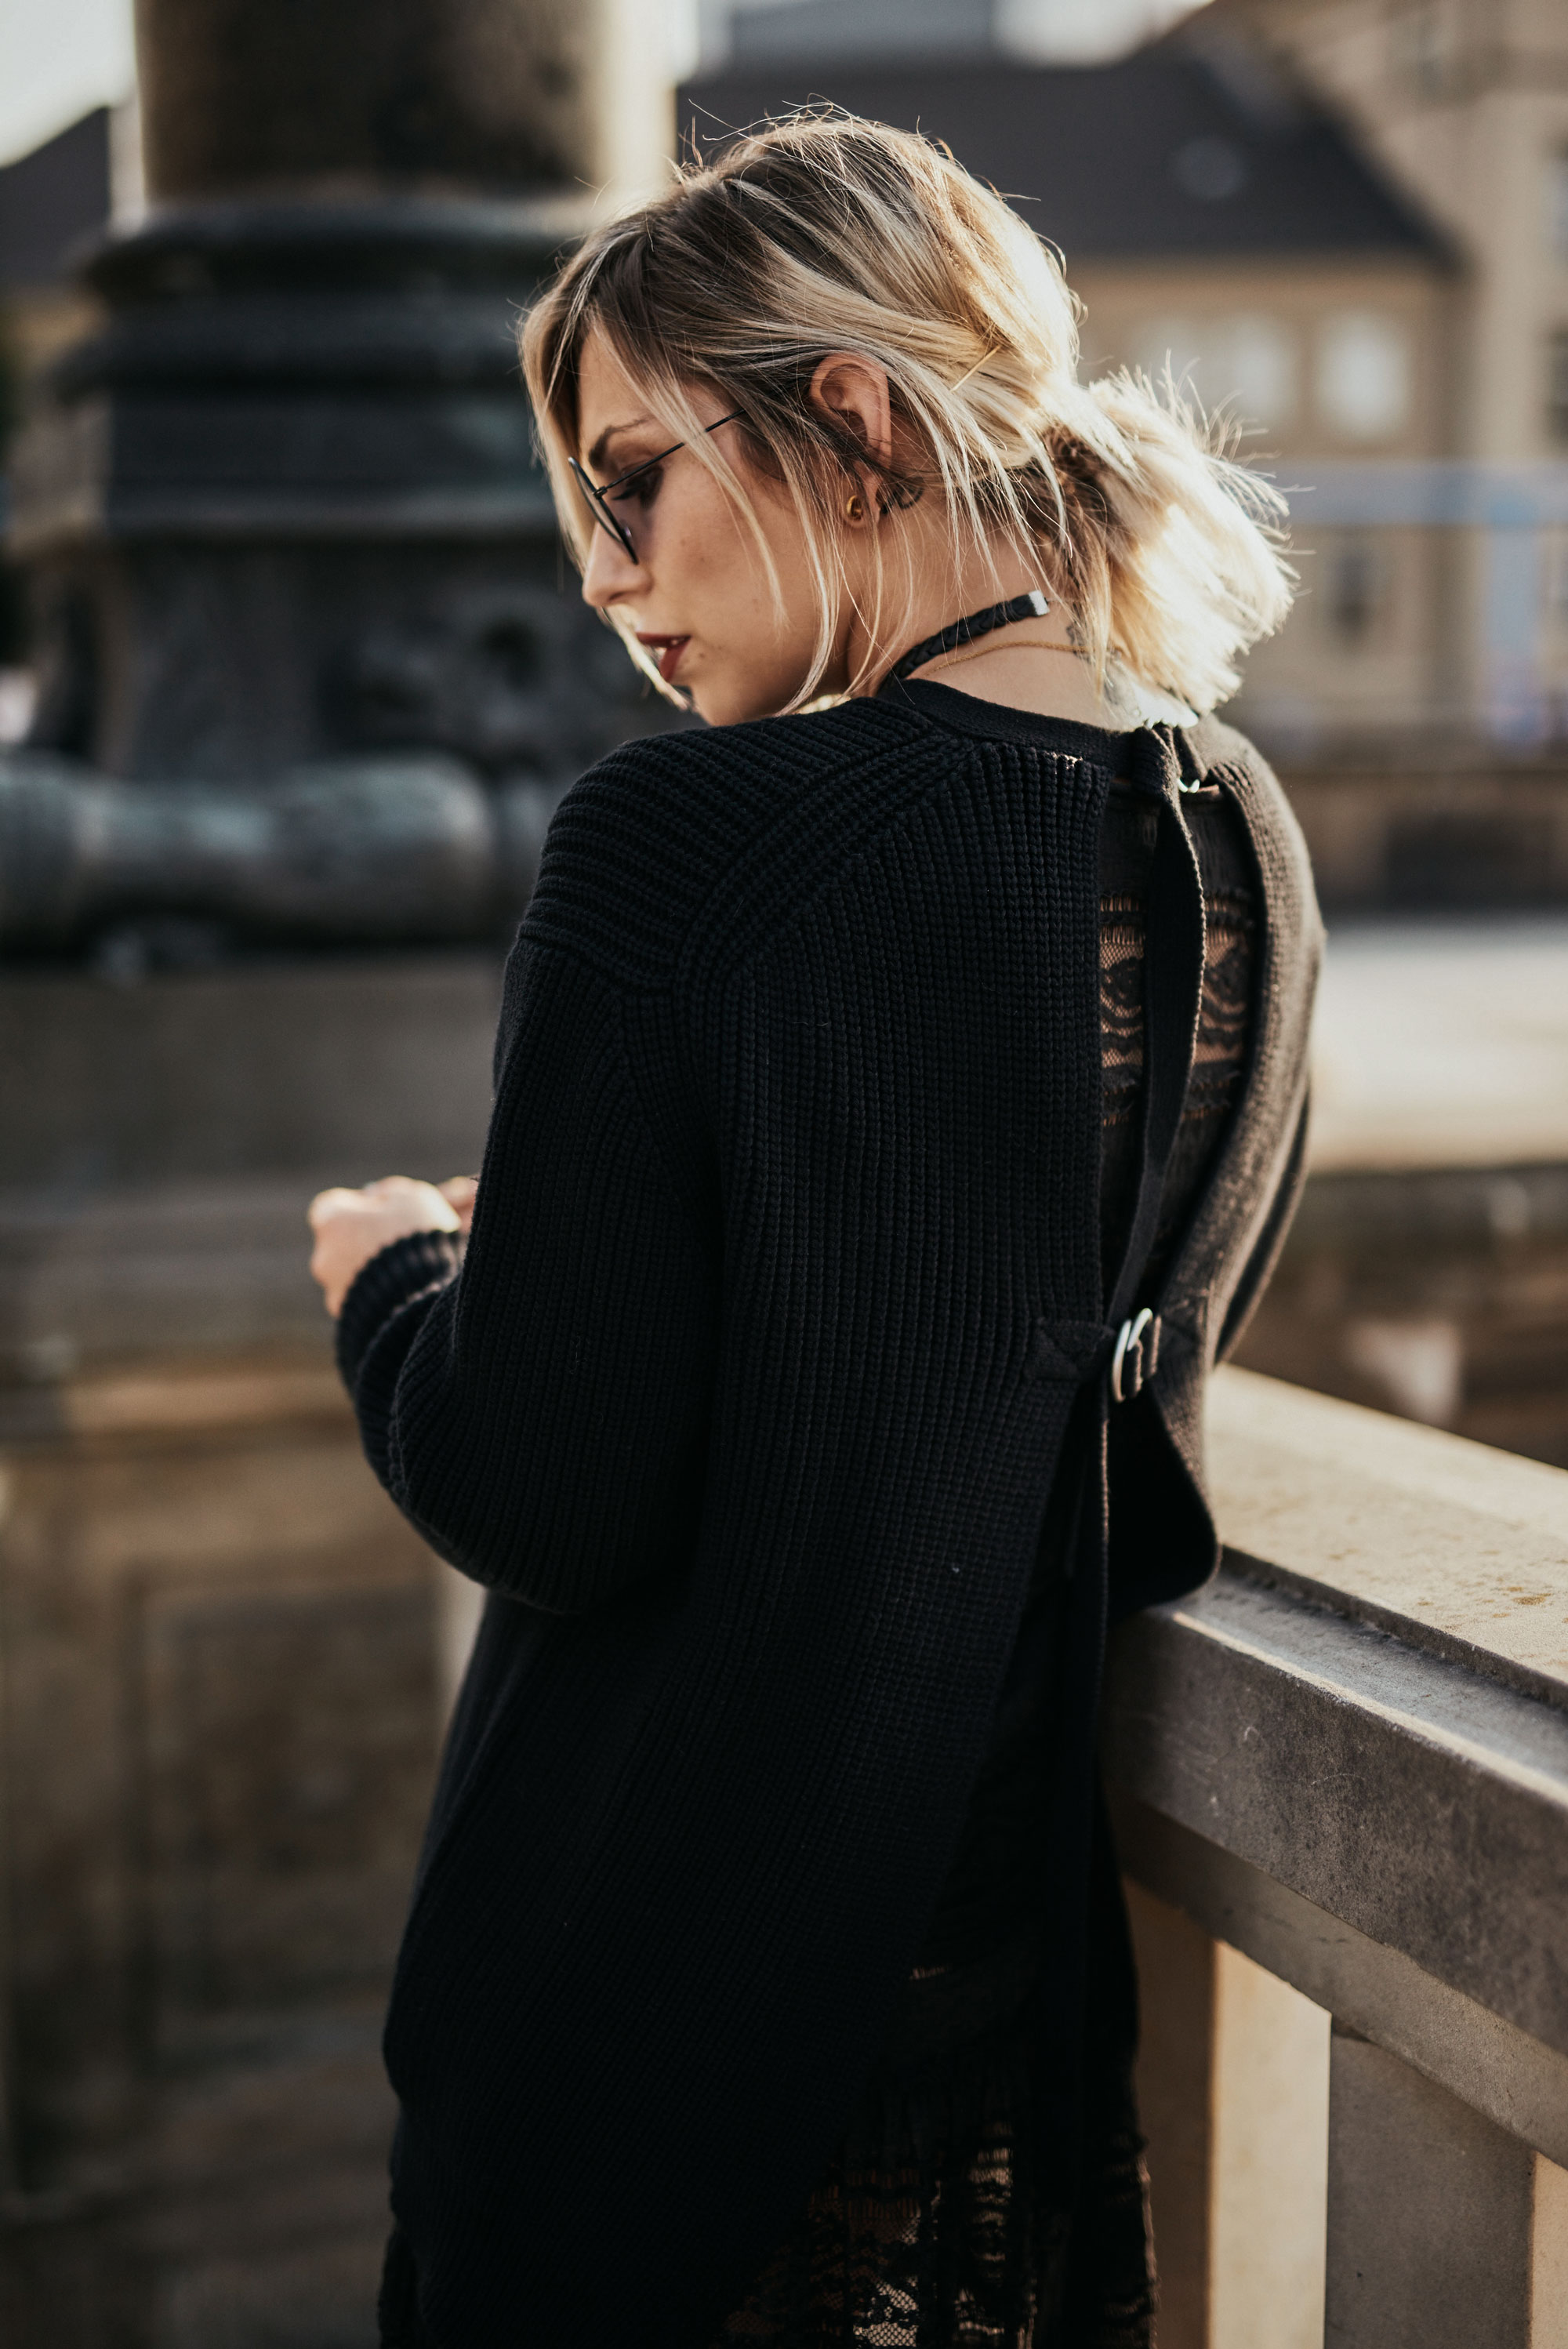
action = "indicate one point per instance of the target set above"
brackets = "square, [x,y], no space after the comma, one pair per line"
[1128,1340]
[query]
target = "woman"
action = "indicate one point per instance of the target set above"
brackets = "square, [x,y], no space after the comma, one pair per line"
[899,1103]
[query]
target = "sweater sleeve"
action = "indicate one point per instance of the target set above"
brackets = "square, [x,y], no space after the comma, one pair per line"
[540,1415]
[1259,1269]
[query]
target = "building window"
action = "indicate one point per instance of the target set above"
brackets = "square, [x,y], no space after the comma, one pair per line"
[1557,205]
[1554,579]
[1261,360]
[1364,375]
[1247,363]
[1557,386]
[1422,49]
[1356,587]
[1173,346]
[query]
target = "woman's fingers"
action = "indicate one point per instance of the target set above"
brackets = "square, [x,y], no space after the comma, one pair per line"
[327,1204]
[351,1227]
[459,1192]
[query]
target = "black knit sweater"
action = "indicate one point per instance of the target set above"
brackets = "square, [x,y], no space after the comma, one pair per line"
[747,1403]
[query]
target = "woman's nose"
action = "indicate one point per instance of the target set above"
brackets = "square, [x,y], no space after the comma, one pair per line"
[609,571]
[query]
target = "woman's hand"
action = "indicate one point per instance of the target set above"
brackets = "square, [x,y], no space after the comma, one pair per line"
[351,1227]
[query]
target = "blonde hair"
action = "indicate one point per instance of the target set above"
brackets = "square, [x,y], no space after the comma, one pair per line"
[824,234]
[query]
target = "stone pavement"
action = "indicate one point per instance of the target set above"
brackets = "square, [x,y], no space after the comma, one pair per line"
[1428,1271]
[1443,1043]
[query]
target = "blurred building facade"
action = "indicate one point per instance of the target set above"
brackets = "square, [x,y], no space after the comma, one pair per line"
[1345,228]
[1220,223]
[1466,102]
[1467,106]
[50,199]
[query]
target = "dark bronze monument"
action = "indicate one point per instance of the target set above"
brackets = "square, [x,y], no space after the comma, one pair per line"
[308,670]
[314,674]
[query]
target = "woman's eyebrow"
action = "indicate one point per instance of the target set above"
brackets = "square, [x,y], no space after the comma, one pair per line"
[597,455]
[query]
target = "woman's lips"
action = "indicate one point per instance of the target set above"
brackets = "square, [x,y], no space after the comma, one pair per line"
[668,650]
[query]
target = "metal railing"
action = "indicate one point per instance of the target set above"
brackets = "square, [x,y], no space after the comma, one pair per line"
[1346,1759]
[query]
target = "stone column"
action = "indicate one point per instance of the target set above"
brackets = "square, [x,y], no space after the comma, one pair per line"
[1430,2213]
[494,95]
[1233,2088]
[360,93]
[294,571]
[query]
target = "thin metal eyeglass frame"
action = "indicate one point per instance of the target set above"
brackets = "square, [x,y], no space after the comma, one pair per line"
[597,494]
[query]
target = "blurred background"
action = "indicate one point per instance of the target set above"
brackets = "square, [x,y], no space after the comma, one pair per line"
[291,679]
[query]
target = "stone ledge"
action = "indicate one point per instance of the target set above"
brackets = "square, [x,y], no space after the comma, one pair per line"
[1359,1710]
[193,1400]
[1415,1531]
[1442,1044]
[245,1070]
[193,1269]
[1409,1798]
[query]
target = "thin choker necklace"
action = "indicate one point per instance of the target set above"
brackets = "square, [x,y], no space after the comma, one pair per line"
[1032,606]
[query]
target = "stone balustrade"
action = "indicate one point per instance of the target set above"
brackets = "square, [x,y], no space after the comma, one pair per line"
[1341,1777]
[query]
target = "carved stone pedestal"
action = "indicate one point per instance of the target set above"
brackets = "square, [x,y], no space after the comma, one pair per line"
[220,1647]
[220,1725]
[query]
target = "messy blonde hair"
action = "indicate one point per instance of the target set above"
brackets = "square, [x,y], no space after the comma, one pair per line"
[826,234]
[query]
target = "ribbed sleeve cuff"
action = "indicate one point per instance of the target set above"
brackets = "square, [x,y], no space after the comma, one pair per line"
[380,1288]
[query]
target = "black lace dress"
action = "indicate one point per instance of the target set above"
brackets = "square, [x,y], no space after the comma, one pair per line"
[948,2217]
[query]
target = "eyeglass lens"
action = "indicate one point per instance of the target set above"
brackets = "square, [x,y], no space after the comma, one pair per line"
[593,498]
[598,498]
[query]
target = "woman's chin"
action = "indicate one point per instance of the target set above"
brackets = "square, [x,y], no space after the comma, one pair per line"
[733,705]
[717,708]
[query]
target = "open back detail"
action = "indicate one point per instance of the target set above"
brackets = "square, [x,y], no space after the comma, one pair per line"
[935,2221]
[827,1365]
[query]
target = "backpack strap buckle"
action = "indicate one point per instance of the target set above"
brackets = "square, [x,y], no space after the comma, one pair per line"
[1137,1355]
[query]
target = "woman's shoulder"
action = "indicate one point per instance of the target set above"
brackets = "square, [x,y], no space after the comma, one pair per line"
[1217,744]
[1271,821]
[642,843]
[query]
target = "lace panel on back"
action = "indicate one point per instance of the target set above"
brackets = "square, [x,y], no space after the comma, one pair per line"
[1224,1023]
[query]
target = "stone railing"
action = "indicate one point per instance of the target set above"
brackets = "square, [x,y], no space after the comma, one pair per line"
[1341,1780]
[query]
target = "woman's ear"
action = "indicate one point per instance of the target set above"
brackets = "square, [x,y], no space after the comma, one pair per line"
[852,393]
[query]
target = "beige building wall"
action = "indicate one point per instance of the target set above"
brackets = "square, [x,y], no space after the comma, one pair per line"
[1361,656]
[1318,359]
[1314,357]
[1466,102]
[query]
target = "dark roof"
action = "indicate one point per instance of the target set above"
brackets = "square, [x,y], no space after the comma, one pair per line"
[1192,147]
[50,199]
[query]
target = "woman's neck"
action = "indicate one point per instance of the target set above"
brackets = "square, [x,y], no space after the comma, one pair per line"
[1025,667]
[1030,665]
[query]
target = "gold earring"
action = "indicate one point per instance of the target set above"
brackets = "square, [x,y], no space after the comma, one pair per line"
[853,510]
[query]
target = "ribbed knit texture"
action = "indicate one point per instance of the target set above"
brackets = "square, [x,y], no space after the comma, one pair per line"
[746,1405]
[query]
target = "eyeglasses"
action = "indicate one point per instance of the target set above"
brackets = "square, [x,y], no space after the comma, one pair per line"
[621,487]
